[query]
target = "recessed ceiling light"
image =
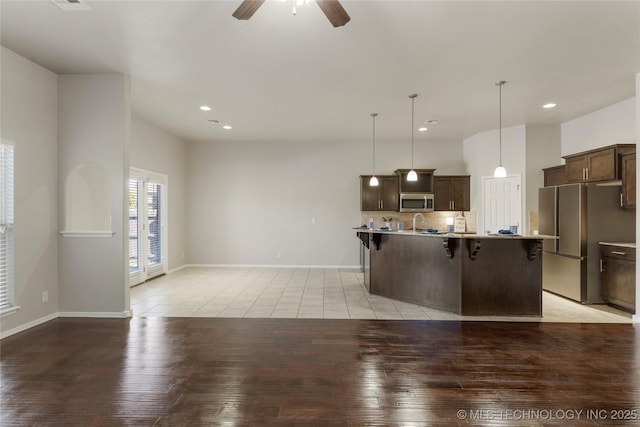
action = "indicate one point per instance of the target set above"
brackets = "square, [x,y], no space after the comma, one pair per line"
[422,129]
[549,105]
[227,127]
[205,108]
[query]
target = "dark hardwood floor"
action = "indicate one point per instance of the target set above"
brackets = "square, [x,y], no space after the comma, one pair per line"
[203,371]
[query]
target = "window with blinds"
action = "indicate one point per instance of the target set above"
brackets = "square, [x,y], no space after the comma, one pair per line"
[134,227]
[154,198]
[6,227]
[147,225]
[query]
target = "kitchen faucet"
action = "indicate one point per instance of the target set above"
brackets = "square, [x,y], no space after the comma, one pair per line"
[414,220]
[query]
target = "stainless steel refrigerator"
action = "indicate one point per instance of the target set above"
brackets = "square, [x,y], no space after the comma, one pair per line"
[580,215]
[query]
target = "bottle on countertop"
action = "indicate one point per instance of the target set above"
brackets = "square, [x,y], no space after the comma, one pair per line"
[371,223]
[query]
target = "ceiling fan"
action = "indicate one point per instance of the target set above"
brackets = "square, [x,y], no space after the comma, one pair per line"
[331,8]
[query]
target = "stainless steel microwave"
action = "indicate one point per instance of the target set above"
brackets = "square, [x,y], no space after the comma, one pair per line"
[416,202]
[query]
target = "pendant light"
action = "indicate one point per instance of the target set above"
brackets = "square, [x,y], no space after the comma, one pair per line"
[412,175]
[500,171]
[373,182]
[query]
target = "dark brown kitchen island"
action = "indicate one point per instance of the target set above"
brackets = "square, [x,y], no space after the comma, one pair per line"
[468,274]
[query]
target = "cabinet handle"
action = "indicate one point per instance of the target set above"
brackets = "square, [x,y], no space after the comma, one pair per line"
[601,266]
[382,204]
[586,170]
[618,253]
[453,204]
[621,200]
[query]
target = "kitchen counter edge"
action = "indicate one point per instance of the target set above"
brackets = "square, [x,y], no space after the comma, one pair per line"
[455,235]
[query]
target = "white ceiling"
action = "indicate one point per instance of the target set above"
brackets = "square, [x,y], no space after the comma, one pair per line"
[283,77]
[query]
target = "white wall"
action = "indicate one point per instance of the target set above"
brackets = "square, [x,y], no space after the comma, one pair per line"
[94,126]
[249,201]
[481,156]
[29,120]
[156,150]
[542,151]
[611,125]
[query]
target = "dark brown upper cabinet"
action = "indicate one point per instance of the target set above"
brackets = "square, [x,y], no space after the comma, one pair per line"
[596,165]
[424,184]
[628,196]
[555,175]
[384,197]
[452,193]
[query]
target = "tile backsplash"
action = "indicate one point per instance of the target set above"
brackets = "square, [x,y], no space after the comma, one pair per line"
[435,220]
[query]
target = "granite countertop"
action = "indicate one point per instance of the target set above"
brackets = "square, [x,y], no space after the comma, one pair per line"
[453,235]
[622,244]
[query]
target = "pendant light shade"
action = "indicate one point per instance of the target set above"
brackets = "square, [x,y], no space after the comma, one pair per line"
[500,171]
[412,175]
[373,182]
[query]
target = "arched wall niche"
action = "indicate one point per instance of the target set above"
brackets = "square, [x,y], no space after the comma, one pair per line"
[88,201]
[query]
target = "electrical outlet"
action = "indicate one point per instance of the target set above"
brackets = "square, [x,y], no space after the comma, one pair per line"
[278,254]
[313,220]
[182,255]
[45,296]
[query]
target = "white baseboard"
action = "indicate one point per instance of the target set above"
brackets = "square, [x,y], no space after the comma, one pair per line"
[96,314]
[269,266]
[28,325]
[173,270]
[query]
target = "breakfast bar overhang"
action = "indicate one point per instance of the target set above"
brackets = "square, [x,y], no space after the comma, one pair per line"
[468,274]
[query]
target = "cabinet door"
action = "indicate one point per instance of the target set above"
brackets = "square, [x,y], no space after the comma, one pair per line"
[461,193]
[602,166]
[442,189]
[619,285]
[368,195]
[555,176]
[574,167]
[388,193]
[629,180]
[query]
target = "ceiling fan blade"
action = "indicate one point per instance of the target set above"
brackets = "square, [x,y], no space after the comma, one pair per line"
[334,12]
[247,9]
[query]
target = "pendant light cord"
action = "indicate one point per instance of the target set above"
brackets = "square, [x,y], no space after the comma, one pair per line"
[500,108]
[499,84]
[413,101]
[374,142]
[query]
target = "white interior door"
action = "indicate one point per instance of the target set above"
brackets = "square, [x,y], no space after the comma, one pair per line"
[502,203]
[147,225]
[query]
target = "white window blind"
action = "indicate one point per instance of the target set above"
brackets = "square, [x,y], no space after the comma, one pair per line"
[6,226]
[134,224]
[154,198]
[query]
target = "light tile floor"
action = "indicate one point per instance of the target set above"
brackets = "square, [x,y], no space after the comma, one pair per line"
[311,293]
